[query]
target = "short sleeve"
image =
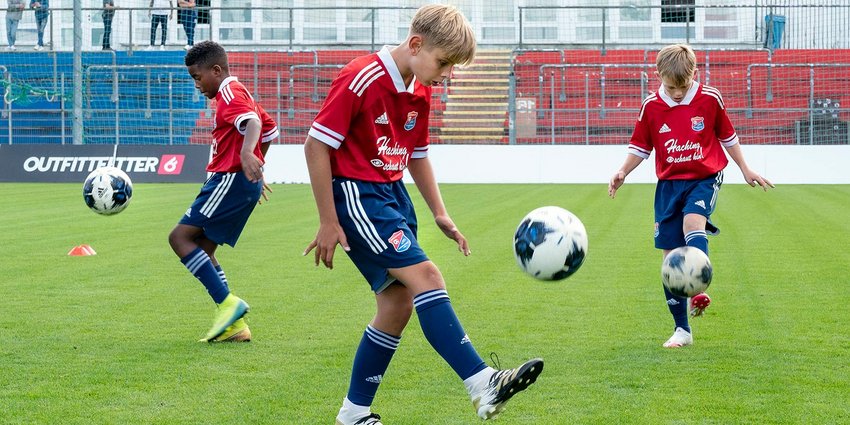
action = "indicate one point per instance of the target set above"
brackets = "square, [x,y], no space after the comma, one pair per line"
[640,143]
[238,110]
[333,121]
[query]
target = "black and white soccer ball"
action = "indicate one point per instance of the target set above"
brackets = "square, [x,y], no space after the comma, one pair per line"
[550,243]
[107,190]
[686,271]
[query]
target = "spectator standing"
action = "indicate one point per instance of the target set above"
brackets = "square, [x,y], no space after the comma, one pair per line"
[188,17]
[107,14]
[160,13]
[42,13]
[14,12]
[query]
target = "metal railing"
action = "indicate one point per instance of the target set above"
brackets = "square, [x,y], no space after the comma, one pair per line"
[781,23]
[810,109]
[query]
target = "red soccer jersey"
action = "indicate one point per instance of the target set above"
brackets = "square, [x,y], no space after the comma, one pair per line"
[686,136]
[233,106]
[374,122]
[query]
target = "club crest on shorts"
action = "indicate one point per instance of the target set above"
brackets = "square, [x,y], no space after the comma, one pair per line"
[697,123]
[399,241]
[411,120]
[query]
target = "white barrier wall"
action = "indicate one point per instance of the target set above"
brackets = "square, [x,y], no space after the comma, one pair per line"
[586,164]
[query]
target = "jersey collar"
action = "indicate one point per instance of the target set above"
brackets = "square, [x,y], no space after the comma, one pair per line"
[687,99]
[387,59]
[226,82]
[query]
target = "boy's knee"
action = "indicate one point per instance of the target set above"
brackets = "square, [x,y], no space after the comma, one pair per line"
[693,222]
[433,277]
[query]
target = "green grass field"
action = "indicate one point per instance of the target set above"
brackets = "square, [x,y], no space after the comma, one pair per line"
[111,339]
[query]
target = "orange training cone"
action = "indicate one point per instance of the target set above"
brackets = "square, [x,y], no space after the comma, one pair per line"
[82,251]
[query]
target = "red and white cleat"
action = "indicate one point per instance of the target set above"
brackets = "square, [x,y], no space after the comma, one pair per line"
[699,303]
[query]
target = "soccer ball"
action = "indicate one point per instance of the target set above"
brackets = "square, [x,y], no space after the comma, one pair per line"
[550,243]
[107,190]
[686,271]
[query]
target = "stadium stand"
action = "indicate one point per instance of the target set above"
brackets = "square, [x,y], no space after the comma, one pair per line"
[117,88]
[572,96]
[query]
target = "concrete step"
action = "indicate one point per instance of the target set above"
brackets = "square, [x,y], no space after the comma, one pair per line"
[475,130]
[493,121]
[478,96]
[467,72]
[494,113]
[470,137]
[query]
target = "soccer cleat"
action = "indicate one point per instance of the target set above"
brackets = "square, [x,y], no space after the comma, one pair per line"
[503,385]
[680,338]
[237,332]
[372,419]
[699,303]
[229,311]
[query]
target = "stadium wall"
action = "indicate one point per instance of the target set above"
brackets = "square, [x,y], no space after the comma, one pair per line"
[585,164]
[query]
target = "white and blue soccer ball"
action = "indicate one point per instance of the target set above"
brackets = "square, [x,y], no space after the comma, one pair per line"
[550,243]
[107,190]
[686,271]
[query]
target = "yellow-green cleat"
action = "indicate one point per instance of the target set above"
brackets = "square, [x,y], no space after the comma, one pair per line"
[229,311]
[237,332]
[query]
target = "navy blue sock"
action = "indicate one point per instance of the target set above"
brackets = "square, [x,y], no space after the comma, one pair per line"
[444,332]
[200,265]
[678,308]
[697,239]
[222,276]
[371,361]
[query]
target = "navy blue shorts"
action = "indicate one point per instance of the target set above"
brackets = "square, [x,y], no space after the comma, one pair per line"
[380,225]
[223,206]
[676,198]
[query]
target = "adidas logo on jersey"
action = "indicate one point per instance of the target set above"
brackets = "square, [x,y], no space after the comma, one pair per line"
[375,379]
[700,203]
[382,119]
[465,340]
[664,129]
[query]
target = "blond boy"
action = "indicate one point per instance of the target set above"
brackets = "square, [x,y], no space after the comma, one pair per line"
[373,126]
[686,124]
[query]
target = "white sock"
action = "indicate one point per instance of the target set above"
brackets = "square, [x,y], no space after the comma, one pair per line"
[475,383]
[350,412]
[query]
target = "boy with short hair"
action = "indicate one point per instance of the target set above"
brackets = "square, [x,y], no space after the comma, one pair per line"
[686,124]
[241,138]
[373,125]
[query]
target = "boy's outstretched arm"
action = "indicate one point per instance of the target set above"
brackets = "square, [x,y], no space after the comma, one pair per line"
[330,232]
[423,175]
[751,177]
[632,161]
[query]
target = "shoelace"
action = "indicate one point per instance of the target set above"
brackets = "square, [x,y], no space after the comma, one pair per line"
[497,381]
[495,359]
[373,418]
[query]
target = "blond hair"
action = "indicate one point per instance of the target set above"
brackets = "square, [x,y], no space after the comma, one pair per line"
[445,27]
[677,63]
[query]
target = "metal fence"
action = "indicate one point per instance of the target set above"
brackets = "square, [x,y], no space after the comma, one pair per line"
[571,74]
[505,24]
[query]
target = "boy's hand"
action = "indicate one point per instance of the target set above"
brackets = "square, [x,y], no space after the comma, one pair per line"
[251,166]
[616,181]
[752,178]
[450,230]
[325,244]
[263,195]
